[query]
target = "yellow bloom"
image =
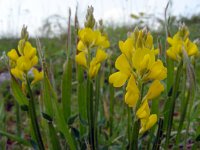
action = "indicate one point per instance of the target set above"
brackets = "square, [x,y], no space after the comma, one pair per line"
[17,73]
[94,68]
[37,75]
[127,47]
[88,40]
[147,123]
[100,55]
[154,90]
[24,63]
[143,111]
[29,51]
[12,54]
[81,59]
[157,71]
[132,92]
[118,79]
[147,120]
[81,46]
[87,36]
[180,42]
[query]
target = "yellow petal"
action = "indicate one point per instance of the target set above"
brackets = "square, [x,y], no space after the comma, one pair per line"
[37,75]
[122,64]
[81,46]
[118,79]
[100,55]
[102,41]
[154,90]
[143,111]
[148,123]
[149,41]
[139,56]
[151,121]
[192,49]
[145,62]
[171,54]
[12,54]
[29,51]
[126,47]
[132,94]
[157,71]
[24,63]
[17,73]
[34,61]
[81,59]
[94,68]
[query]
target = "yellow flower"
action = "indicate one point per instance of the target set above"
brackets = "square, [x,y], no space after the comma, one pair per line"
[24,63]
[154,90]
[147,120]
[144,111]
[17,73]
[147,123]
[94,68]
[132,92]
[81,46]
[90,39]
[179,43]
[127,47]
[81,59]
[119,78]
[29,51]
[157,71]
[37,75]
[87,36]
[12,54]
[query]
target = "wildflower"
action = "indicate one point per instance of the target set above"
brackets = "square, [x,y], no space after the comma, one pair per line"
[23,60]
[138,65]
[91,44]
[147,120]
[180,42]
[37,75]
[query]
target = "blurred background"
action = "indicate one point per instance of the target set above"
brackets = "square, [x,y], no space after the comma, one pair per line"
[42,16]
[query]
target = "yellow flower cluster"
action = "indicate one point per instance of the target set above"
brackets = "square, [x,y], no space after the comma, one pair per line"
[179,43]
[138,65]
[91,52]
[23,60]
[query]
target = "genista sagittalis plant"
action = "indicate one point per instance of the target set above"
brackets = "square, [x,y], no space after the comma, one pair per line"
[182,51]
[138,65]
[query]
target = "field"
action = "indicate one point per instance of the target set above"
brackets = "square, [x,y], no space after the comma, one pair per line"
[86,90]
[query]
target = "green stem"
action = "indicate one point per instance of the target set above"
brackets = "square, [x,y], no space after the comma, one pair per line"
[96,109]
[172,102]
[90,113]
[156,145]
[111,91]
[135,131]
[81,100]
[183,115]
[33,117]
[18,119]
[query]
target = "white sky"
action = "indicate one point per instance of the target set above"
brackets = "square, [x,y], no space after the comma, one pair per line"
[15,13]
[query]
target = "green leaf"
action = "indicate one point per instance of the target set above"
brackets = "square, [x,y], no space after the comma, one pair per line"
[53,137]
[48,108]
[17,93]
[67,89]
[59,117]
